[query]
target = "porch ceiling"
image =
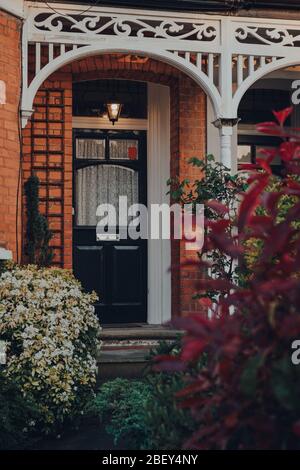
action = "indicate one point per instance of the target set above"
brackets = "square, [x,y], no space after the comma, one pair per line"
[120,65]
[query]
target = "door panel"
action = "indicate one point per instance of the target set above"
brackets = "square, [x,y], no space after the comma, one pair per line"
[89,267]
[128,275]
[109,164]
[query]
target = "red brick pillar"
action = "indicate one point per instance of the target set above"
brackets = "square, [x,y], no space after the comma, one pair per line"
[10,74]
[190,120]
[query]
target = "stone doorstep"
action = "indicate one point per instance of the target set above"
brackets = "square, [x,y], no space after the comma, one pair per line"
[138,332]
[128,345]
[123,356]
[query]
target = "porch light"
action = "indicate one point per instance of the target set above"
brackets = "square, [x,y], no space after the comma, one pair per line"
[114,111]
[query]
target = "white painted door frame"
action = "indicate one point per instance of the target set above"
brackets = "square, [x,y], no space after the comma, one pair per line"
[159,251]
[158,172]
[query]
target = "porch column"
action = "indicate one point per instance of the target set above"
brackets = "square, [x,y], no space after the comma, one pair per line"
[226,128]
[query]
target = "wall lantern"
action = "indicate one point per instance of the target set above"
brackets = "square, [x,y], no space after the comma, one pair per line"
[114,111]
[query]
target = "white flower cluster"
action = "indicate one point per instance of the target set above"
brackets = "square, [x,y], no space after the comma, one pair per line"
[52,335]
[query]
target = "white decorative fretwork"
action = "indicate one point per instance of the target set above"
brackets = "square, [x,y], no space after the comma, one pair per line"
[126,26]
[246,34]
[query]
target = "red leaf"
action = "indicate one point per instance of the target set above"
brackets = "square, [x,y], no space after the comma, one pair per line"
[248,166]
[226,245]
[289,328]
[296,428]
[220,208]
[269,200]
[264,164]
[231,420]
[251,201]
[282,115]
[218,226]
[205,302]
[232,346]
[288,150]
[293,168]
[224,368]
[201,385]
[279,235]
[270,128]
[293,188]
[192,349]
[195,324]
[261,223]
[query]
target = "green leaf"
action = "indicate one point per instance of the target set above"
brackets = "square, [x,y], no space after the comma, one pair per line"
[285,383]
[196,162]
[249,376]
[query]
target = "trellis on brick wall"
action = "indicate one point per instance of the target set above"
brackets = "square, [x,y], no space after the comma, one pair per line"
[47,162]
[224,55]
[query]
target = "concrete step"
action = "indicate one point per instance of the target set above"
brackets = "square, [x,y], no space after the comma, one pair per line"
[138,331]
[125,348]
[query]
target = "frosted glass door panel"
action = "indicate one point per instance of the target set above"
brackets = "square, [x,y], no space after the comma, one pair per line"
[90,149]
[120,149]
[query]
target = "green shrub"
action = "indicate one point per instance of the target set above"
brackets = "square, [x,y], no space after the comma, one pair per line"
[144,413]
[168,423]
[215,184]
[18,416]
[51,332]
[120,404]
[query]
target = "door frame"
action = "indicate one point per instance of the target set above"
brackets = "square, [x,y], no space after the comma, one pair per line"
[158,172]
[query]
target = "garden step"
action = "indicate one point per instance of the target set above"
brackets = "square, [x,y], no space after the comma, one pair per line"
[125,348]
[138,331]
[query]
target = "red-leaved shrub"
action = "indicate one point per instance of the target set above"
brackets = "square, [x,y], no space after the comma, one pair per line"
[248,394]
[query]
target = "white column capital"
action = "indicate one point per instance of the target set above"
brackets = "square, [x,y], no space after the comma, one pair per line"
[223,123]
[25,116]
[226,127]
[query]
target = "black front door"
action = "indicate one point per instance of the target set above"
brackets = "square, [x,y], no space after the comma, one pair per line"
[107,165]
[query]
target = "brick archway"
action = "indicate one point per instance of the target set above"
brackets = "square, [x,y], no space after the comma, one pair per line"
[47,147]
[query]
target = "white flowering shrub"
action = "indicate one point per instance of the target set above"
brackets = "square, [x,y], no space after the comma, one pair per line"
[52,336]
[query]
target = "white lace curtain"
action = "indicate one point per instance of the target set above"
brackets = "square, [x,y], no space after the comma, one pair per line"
[103,184]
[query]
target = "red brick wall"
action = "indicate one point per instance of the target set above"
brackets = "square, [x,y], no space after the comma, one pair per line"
[188,138]
[10,73]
